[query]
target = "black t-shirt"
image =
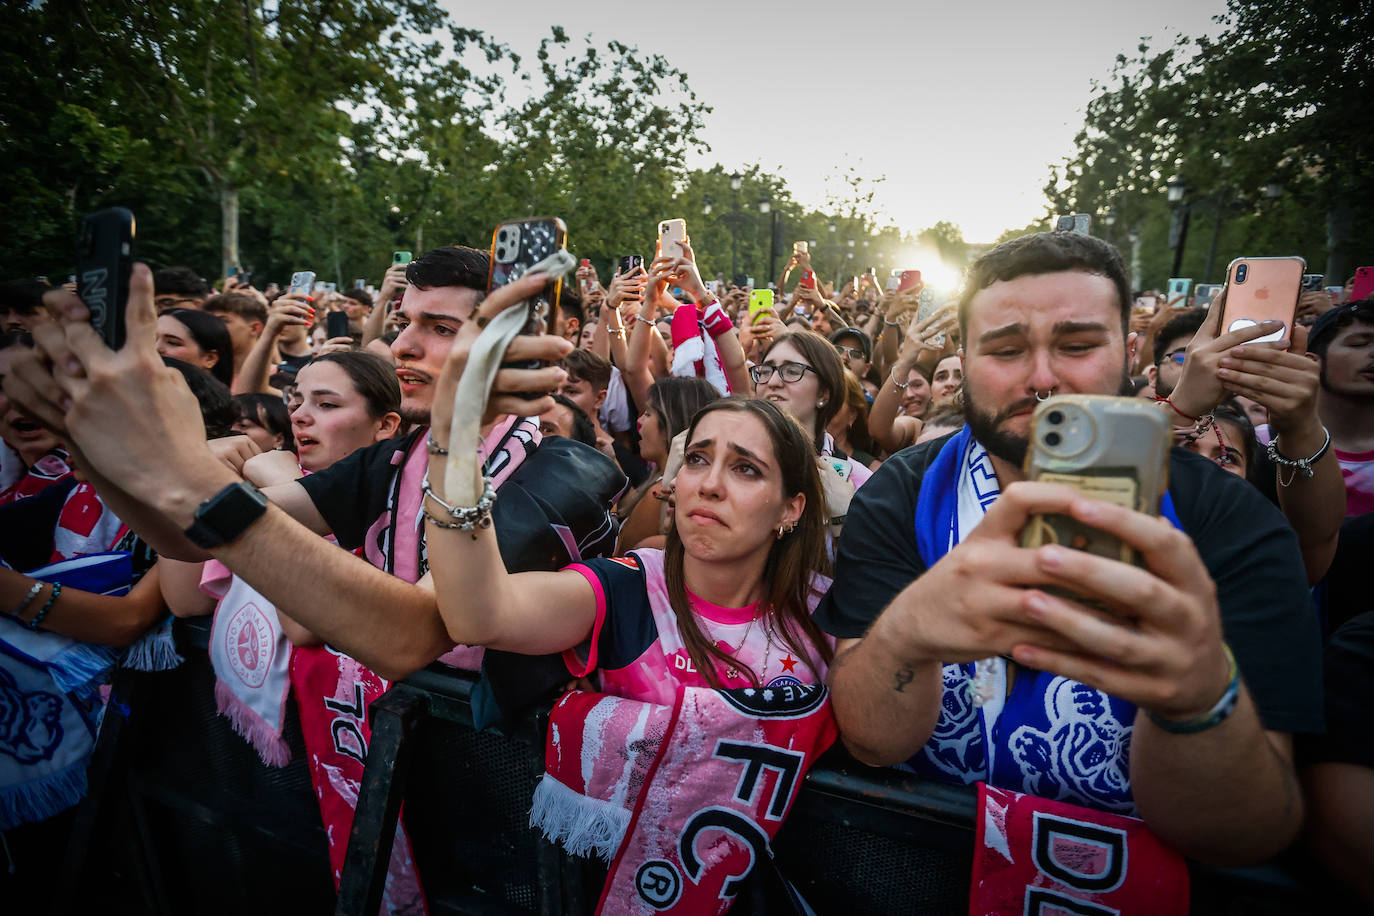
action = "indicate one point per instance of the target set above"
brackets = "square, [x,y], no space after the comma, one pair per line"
[1349,698]
[1246,544]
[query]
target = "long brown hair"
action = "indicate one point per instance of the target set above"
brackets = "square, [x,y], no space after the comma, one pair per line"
[791,561]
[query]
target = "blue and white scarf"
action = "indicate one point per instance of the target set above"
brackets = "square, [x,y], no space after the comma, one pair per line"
[1049,736]
[49,707]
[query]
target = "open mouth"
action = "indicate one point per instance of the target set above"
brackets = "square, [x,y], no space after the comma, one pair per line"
[306,442]
[24,428]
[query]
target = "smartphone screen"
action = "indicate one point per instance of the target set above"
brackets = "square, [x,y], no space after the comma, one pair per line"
[337,324]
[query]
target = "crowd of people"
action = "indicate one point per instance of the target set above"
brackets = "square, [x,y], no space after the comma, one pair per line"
[779,528]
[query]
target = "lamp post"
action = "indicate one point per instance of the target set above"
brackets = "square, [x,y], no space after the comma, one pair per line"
[766,207]
[1178,226]
[736,181]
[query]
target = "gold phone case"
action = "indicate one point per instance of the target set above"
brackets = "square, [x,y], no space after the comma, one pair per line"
[1113,449]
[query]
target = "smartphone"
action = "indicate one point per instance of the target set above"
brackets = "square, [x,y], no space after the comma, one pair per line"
[329,286]
[1145,304]
[104,260]
[1081,223]
[741,280]
[1364,284]
[801,247]
[1177,291]
[234,271]
[909,280]
[892,284]
[1205,293]
[629,262]
[1108,448]
[336,324]
[360,283]
[401,257]
[925,307]
[302,282]
[1312,283]
[516,246]
[760,301]
[671,234]
[1259,289]
[808,279]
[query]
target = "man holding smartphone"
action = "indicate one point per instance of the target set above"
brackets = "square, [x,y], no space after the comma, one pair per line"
[161,478]
[959,653]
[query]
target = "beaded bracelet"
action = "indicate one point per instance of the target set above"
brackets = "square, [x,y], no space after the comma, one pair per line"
[1212,717]
[463,518]
[433,445]
[901,385]
[47,606]
[28,599]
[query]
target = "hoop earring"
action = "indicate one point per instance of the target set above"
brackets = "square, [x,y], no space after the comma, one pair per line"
[1048,394]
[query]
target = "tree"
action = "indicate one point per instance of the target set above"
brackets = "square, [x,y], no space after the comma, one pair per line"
[1279,97]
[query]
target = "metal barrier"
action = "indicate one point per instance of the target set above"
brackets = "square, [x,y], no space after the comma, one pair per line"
[188,820]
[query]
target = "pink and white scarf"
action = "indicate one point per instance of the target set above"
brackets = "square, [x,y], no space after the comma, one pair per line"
[684,799]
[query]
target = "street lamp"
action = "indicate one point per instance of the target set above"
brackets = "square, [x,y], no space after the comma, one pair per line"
[766,207]
[736,180]
[1178,225]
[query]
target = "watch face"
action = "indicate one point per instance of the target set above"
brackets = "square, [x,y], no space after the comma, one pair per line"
[226,515]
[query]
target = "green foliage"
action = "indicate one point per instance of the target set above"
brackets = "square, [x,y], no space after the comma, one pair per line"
[1281,95]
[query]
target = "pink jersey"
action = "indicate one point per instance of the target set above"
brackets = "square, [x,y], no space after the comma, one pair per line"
[1358,470]
[638,652]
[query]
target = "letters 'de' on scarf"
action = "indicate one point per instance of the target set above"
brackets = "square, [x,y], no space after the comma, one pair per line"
[686,798]
[1038,857]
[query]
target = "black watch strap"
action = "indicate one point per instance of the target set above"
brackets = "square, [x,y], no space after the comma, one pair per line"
[226,515]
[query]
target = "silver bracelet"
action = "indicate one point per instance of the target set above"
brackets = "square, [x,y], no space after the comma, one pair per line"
[463,518]
[901,385]
[433,445]
[1297,464]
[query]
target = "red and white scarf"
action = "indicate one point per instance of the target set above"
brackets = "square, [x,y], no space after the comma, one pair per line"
[334,691]
[46,471]
[1037,856]
[684,799]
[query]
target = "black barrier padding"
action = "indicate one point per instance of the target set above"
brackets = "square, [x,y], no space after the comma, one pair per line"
[219,832]
[467,811]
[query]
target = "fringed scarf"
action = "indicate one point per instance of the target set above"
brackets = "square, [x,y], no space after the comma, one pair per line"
[683,800]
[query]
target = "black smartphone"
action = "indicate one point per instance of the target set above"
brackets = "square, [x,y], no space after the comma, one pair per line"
[336,324]
[1313,282]
[629,262]
[104,260]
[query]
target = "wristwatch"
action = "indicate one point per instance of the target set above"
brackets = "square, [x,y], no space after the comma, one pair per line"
[226,515]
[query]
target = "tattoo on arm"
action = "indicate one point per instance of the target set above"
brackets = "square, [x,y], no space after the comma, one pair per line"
[901,678]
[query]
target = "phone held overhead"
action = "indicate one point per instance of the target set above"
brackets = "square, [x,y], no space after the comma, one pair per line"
[1262,289]
[104,261]
[517,247]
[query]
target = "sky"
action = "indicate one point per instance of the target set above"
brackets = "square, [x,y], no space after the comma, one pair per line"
[962,106]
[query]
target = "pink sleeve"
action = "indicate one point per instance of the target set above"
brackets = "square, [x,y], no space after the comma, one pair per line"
[214,579]
[576,665]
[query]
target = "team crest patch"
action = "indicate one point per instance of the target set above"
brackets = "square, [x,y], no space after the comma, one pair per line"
[787,701]
[249,645]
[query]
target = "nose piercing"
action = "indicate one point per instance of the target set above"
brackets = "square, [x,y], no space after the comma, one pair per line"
[1046,396]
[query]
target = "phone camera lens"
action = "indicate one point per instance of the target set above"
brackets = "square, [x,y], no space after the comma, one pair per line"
[1241,272]
[1055,417]
[1053,439]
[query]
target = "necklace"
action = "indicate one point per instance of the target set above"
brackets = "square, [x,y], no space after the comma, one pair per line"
[733,671]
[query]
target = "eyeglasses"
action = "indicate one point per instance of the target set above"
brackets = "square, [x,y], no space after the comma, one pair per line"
[851,352]
[790,372]
[1177,356]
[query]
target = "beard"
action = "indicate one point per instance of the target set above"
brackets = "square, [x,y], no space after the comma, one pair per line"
[988,426]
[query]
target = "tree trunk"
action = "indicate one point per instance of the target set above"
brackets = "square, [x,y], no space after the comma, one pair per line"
[229,228]
[1338,243]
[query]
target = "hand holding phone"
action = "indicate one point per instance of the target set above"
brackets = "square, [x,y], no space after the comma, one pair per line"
[517,246]
[671,234]
[1262,289]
